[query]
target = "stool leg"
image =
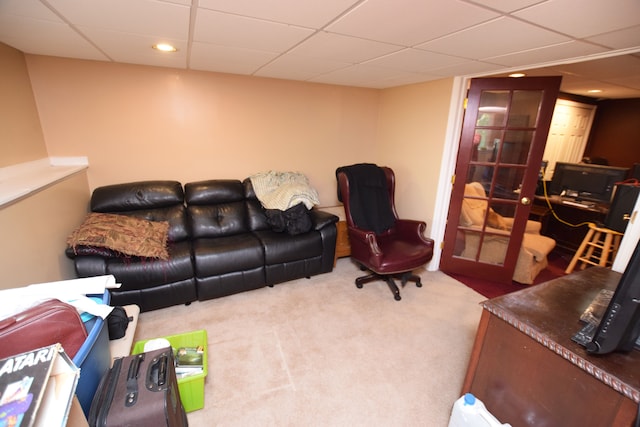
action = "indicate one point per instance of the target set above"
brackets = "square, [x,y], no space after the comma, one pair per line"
[580,250]
[616,245]
[606,250]
[592,247]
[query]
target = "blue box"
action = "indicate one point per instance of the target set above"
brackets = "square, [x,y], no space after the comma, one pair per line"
[93,358]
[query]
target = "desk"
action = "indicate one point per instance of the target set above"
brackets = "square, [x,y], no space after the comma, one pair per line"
[566,237]
[528,372]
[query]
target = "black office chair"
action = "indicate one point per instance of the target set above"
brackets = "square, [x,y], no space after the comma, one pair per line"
[389,247]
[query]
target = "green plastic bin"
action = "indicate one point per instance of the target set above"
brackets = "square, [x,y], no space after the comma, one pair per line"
[191,388]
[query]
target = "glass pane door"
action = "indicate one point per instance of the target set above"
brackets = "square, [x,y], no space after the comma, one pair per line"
[501,148]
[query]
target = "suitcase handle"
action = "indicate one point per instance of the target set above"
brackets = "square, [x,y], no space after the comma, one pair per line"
[132,380]
[5,323]
[157,373]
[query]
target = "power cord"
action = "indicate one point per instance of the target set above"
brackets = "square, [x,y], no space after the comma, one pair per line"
[553,212]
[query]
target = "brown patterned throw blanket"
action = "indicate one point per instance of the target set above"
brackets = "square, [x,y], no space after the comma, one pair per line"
[122,234]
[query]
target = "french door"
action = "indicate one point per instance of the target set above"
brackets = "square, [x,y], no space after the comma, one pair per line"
[504,132]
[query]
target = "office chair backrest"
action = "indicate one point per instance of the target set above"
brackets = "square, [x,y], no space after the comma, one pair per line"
[367,192]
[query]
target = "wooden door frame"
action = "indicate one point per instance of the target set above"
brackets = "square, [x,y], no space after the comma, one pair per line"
[448,166]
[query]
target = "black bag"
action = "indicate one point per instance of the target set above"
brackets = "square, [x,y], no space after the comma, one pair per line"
[117,322]
[139,390]
[295,220]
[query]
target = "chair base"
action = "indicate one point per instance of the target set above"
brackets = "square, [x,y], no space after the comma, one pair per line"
[389,279]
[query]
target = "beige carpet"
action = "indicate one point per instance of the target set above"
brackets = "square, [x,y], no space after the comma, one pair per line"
[320,352]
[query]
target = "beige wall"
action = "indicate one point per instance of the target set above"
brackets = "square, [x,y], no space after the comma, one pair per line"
[411,140]
[35,229]
[136,122]
[21,137]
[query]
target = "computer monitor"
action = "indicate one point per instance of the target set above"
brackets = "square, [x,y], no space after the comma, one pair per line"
[620,326]
[586,181]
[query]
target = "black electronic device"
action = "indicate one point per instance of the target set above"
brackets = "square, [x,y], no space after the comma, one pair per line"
[619,327]
[586,181]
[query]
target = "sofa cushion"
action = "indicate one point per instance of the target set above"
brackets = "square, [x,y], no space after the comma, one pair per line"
[281,247]
[148,273]
[216,208]
[225,219]
[136,195]
[122,234]
[175,215]
[213,191]
[222,255]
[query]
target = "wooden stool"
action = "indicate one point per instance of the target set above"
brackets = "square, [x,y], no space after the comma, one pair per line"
[599,247]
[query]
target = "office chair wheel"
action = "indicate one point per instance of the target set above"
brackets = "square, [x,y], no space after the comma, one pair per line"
[419,284]
[359,285]
[397,297]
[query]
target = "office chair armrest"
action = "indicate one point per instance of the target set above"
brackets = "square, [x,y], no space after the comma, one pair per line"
[359,238]
[412,229]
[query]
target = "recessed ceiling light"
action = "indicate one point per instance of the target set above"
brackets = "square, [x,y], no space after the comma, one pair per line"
[594,91]
[517,75]
[164,47]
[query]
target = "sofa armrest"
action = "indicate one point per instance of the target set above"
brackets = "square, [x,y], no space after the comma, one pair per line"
[92,251]
[89,266]
[320,219]
[539,246]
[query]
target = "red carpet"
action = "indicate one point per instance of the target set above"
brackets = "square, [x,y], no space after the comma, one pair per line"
[558,262]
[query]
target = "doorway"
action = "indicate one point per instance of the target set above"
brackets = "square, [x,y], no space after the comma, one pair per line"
[502,141]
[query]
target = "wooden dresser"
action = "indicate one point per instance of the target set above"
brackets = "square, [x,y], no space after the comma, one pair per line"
[343,248]
[528,372]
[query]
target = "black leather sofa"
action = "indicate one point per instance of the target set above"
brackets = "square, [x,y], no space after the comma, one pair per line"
[220,243]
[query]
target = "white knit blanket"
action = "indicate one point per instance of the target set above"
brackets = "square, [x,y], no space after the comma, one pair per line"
[283,190]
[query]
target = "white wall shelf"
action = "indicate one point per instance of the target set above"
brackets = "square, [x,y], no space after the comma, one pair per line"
[22,180]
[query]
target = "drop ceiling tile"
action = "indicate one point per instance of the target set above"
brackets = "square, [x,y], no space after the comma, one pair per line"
[402,79]
[629,81]
[248,33]
[583,18]
[44,37]
[146,17]
[138,49]
[622,39]
[312,14]
[208,57]
[415,60]
[581,87]
[506,6]
[28,9]
[182,2]
[355,75]
[468,68]
[617,66]
[547,54]
[336,47]
[498,37]
[408,22]
[295,67]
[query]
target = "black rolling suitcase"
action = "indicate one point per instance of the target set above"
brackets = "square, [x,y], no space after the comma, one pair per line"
[139,390]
